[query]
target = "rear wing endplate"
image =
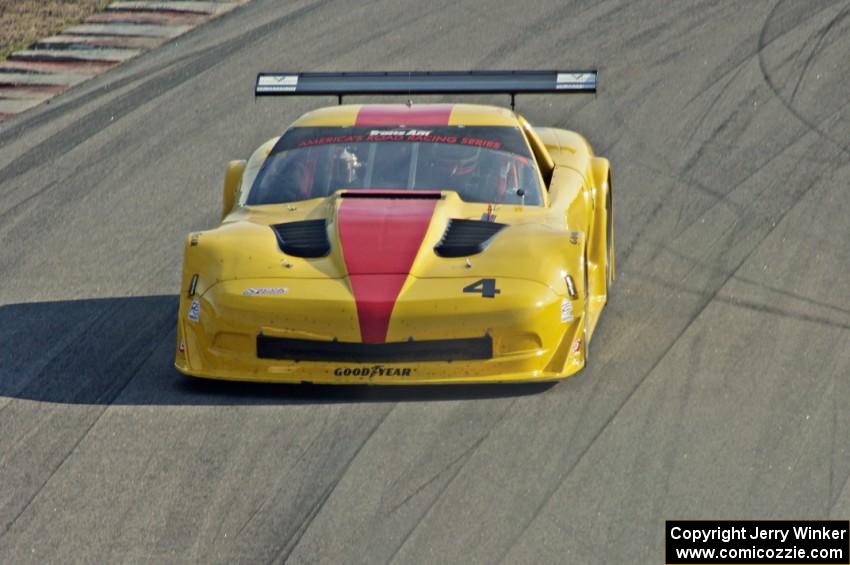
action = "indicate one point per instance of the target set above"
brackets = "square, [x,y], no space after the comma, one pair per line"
[426,82]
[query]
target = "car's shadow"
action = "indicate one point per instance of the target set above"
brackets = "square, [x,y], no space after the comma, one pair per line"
[120,351]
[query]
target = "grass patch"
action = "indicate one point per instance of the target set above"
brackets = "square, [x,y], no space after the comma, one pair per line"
[22,22]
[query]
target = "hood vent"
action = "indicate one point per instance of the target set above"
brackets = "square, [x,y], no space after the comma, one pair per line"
[393,194]
[466,237]
[308,238]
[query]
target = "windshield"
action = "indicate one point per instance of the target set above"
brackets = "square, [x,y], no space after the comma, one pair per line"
[480,163]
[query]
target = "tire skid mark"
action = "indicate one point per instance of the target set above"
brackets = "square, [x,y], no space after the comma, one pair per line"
[463,457]
[816,48]
[107,399]
[768,79]
[750,304]
[752,53]
[746,280]
[686,174]
[12,211]
[292,542]
[724,87]
[801,454]
[664,198]
[762,43]
[836,490]
[539,26]
[550,492]
[794,140]
[689,20]
[833,492]
[36,492]
[209,531]
[409,534]
[788,294]
[143,469]
[301,456]
[691,162]
[468,455]
[392,27]
[838,497]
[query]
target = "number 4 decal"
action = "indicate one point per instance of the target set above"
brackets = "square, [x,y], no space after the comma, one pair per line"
[485,287]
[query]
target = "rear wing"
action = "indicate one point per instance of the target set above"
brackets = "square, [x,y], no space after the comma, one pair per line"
[426,82]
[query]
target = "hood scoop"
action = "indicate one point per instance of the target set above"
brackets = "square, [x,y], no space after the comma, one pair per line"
[307,238]
[466,237]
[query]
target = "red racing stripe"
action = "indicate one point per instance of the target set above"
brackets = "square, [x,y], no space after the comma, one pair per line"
[380,239]
[404,115]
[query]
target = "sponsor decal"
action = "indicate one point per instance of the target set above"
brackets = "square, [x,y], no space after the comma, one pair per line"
[195,311]
[575,80]
[501,138]
[402,135]
[485,287]
[277,83]
[400,132]
[182,348]
[275,291]
[478,142]
[577,346]
[326,140]
[566,311]
[373,371]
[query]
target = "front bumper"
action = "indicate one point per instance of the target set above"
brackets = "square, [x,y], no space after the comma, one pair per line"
[437,334]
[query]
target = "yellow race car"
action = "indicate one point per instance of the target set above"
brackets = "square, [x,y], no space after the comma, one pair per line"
[404,243]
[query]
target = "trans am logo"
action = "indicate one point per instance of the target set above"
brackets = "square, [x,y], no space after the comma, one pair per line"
[373,371]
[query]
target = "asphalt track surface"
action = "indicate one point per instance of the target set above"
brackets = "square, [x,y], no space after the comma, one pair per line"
[720,372]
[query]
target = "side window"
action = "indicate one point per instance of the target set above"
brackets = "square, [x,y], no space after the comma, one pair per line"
[545,164]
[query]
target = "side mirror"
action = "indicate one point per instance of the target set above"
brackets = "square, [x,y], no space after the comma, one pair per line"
[232,183]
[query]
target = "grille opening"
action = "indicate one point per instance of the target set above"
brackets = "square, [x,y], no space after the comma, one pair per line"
[406,351]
